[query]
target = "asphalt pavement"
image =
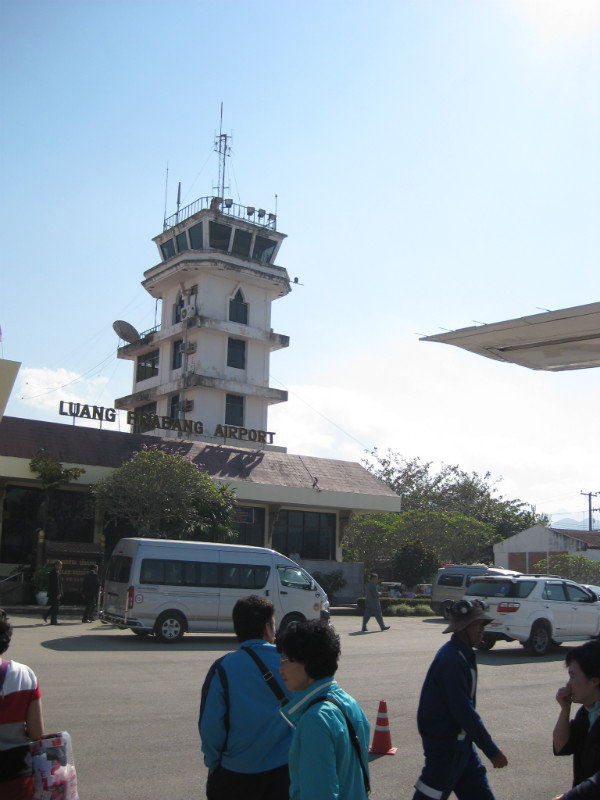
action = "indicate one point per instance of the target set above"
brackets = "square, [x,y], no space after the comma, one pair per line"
[131,704]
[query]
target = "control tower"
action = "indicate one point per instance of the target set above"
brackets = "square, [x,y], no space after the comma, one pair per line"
[203,374]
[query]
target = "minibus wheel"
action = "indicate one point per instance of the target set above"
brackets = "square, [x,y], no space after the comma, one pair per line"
[170,627]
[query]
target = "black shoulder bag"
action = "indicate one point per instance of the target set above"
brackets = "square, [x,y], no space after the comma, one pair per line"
[268,676]
[352,734]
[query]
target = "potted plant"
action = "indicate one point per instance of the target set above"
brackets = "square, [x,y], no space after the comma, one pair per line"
[40,585]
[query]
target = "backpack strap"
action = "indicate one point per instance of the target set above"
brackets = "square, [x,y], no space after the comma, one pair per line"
[218,668]
[268,676]
[352,734]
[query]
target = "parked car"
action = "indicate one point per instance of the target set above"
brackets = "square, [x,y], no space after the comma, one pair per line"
[536,610]
[452,581]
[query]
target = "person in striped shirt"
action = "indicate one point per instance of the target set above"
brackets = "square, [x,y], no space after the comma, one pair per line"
[20,721]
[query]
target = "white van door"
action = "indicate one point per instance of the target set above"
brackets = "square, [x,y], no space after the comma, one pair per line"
[296,592]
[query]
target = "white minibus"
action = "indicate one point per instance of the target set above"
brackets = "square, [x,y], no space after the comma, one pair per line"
[167,587]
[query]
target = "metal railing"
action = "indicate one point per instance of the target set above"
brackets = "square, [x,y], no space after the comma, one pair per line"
[258,216]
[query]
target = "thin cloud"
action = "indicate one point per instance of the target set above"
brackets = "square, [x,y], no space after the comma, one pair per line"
[42,389]
[561,19]
[444,405]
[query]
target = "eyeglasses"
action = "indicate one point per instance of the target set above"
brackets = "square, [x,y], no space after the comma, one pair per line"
[286,660]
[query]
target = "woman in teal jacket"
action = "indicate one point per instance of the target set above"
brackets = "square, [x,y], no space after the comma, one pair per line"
[328,757]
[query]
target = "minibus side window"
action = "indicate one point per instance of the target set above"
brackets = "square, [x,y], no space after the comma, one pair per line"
[243,576]
[118,569]
[254,577]
[152,571]
[450,580]
[261,575]
[230,576]
[208,574]
[173,573]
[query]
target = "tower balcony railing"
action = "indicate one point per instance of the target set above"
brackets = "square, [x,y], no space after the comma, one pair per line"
[258,216]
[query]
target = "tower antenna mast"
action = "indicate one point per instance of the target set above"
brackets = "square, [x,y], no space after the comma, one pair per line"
[223,149]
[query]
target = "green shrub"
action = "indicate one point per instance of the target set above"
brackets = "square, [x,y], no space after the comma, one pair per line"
[396,607]
[330,582]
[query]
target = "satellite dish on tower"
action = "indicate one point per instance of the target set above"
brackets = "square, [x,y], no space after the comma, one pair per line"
[125,331]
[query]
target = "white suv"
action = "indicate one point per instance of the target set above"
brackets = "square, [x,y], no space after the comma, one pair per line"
[536,610]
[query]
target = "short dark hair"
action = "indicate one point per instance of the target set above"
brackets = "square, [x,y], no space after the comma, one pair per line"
[373,575]
[588,657]
[5,631]
[250,615]
[314,644]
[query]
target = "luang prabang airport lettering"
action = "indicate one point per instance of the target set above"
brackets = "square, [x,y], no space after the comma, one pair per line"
[149,421]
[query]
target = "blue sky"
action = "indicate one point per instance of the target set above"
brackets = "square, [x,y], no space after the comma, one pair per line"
[434,163]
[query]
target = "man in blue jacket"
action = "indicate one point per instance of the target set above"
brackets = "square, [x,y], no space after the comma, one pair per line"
[447,720]
[245,740]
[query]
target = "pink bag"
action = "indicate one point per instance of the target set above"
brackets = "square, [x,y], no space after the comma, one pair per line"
[54,773]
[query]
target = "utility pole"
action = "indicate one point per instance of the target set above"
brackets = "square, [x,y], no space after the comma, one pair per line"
[589,496]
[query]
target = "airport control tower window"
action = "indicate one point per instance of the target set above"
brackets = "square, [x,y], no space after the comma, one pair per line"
[182,244]
[263,249]
[242,241]
[236,353]
[177,310]
[219,235]
[195,233]
[234,410]
[177,354]
[144,418]
[168,249]
[174,406]
[147,366]
[238,309]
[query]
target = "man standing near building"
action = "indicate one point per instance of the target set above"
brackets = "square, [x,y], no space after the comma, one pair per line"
[372,604]
[245,740]
[89,590]
[447,720]
[55,592]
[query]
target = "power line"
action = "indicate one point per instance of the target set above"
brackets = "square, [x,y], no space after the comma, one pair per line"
[589,496]
[320,413]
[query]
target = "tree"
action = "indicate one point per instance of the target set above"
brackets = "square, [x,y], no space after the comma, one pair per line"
[163,495]
[371,538]
[52,474]
[416,563]
[455,538]
[575,568]
[452,490]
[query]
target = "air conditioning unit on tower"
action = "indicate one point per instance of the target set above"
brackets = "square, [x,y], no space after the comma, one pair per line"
[190,348]
[187,312]
[187,405]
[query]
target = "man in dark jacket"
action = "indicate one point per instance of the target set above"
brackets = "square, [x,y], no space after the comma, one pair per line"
[580,736]
[588,790]
[447,720]
[55,592]
[89,590]
[372,604]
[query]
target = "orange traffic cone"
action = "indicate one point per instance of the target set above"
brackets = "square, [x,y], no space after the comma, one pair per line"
[382,739]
